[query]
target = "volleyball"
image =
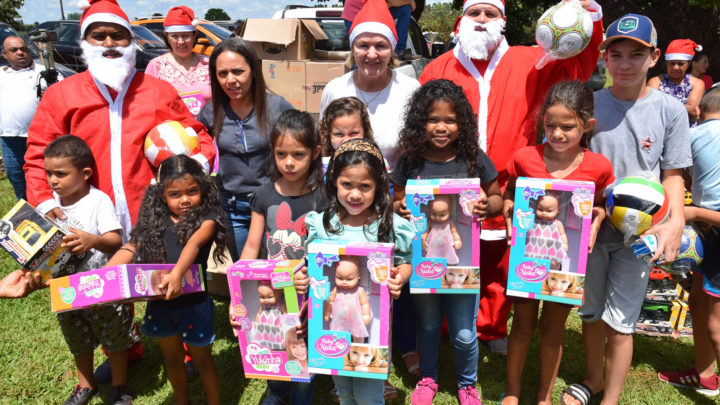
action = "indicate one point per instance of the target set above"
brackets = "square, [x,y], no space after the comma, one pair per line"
[691,253]
[564,30]
[168,139]
[636,204]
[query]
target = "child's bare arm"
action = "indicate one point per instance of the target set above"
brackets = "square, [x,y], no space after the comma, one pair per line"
[508,207]
[364,306]
[693,213]
[80,241]
[253,244]
[399,201]
[198,239]
[125,255]
[669,234]
[490,203]
[457,240]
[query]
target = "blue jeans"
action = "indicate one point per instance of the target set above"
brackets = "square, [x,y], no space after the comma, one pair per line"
[359,391]
[403,323]
[13,154]
[300,393]
[402,15]
[461,313]
[237,208]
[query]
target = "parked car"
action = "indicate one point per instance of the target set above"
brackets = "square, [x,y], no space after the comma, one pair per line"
[8,31]
[235,26]
[209,34]
[68,51]
[337,46]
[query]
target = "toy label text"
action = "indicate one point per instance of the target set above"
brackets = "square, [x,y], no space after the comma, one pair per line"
[529,271]
[332,346]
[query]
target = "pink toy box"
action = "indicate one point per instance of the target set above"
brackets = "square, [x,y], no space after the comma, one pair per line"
[269,346]
[544,265]
[125,282]
[353,339]
[440,211]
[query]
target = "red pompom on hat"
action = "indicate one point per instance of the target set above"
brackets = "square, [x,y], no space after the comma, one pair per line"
[107,11]
[682,49]
[180,19]
[374,17]
[500,4]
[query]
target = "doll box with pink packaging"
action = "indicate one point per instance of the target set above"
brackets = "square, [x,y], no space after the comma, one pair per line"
[349,309]
[264,302]
[112,284]
[446,248]
[549,239]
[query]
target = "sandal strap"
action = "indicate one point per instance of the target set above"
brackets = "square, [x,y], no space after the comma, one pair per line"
[580,392]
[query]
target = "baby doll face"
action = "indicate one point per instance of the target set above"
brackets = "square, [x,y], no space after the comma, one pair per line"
[455,276]
[267,295]
[298,349]
[360,356]
[559,282]
[347,274]
[547,208]
[440,209]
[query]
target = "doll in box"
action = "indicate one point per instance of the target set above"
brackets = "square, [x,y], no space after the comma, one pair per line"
[547,239]
[442,238]
[348,308]
[267,330]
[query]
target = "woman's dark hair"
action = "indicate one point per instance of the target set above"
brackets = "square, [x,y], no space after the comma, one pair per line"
[342,107]
[167,42]
[698,55]
[301,127]
[258,89]
[147,235]
[382,204]
[577,97]
[413,136]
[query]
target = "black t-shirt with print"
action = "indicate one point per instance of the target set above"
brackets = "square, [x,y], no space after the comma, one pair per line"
[456,168]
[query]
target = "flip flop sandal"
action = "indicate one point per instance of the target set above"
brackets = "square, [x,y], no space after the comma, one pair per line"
[334,396]
[580,392]
[412,362]
[390,392]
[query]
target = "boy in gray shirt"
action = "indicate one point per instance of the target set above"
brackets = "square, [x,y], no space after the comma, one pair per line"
[638,129]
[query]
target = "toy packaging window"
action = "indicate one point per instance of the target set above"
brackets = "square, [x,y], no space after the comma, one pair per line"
[446,248]
[264,302]
[349,308]
[549,245]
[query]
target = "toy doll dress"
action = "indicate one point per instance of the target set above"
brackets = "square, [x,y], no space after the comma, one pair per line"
[440,242]
[267,331]
[347,313]
[543,242]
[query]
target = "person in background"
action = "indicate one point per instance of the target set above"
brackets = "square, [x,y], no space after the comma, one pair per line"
[401,11]
[700,65]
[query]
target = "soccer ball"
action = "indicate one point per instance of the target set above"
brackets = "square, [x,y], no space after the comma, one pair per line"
[168,139]
[636,204]
[691,253]
[564,30]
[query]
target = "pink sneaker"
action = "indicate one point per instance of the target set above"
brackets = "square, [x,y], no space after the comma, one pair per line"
[690,379]
[469,396]
[424,392]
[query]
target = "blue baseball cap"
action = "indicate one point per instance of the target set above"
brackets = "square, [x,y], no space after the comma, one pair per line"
[631,26]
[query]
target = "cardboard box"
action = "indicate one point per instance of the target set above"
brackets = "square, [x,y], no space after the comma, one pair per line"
[675,313]
[125,282]
[282,39]
[685,308]
[540,267]
[268,344]
[33,239]
[338,352]
[439,268]
[300,82]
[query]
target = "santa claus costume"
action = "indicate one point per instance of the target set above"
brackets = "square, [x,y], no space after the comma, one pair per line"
[506,91]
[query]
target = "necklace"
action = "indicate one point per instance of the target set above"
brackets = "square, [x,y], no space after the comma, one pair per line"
[367,102]
[360,92]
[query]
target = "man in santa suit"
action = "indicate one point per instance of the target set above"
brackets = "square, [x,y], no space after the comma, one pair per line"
[111,107]
[505,89]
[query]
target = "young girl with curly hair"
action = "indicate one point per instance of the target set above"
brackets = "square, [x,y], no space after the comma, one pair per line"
[343,119]
[440,140]
[180,219]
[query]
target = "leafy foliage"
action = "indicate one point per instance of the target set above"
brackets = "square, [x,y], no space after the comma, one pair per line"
[439,17]
[216,14]
[9,12]
[73,16]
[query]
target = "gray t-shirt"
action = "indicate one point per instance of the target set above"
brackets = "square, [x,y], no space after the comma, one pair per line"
[643,135]
[243,162]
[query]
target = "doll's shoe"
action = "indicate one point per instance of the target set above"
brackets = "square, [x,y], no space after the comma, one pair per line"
[81,395]
[691,379]
[469,396]
[424,392]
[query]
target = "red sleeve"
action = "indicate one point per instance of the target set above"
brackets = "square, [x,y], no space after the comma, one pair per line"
[435,69]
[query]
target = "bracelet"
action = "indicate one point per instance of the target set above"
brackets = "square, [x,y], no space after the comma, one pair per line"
[134,253]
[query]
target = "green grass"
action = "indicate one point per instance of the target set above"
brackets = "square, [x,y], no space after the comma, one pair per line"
[36,366]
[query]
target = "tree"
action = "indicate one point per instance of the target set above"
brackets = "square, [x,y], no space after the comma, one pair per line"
[440,18]
[216,14]
[73,16]
[9,12]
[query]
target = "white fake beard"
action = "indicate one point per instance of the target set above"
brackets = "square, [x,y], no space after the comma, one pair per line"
[110,71]
[480,44]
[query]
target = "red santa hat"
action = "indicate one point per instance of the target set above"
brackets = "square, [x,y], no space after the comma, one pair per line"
[107,11]
[374,17]
[682,49]
[180,19]
[500,4]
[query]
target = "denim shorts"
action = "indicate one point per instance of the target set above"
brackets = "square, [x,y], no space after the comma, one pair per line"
[710,266]
[194,324]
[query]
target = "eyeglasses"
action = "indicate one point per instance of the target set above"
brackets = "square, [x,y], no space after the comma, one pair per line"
[23,48]
[240,134]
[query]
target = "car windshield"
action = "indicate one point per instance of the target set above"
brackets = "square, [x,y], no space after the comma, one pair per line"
[6,31]
[145,38]
[219,31]
[338,39]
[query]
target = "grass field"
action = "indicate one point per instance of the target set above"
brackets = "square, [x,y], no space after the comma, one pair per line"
[36,367]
